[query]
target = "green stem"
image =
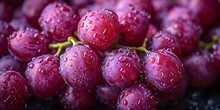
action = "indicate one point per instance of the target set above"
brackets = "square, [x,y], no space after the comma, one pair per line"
[209,46]
[141,48]
[61,46]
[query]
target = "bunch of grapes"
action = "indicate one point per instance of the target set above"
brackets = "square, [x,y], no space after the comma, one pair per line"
[123,54]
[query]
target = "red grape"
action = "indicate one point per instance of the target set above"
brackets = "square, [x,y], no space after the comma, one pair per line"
[99,29]
[134,23]
[13,92]
[10,63]
[32,10]
[59,21]
[164,40]
[5,31]
[163,70]
[200,67]
[108,94]
[121,67]
[187,34]
[73,99]
[6,12]
[80,67]
[136,97]
[43,76]
[26,44]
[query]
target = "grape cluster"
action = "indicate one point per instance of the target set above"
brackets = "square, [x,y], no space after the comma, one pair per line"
[125,54]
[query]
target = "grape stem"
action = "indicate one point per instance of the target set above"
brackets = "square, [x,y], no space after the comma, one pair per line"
[141,48]
[61,46]
[209,46]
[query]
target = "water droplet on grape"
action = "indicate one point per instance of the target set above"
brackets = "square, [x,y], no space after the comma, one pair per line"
[125,102]
[31,66]
[122,58]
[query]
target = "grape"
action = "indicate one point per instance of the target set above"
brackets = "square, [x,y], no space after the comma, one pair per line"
[73,99]
[175,94]
[32,10]
[163,70]
[5,31]
[14,3]
[13,92]
[134,23]
[161,8]
[106,4]
[136,97]
[121,67]
[216,57]
[59,21]
[10,63]
[187,34]
[202,73]
[99,29]
[164,40]
[26,44]
[43,76]
[19,24]
[108,94]
[151,32]
[6,12]
[80,67]
[200,9]
[144,4]
[161,5]
[80,3]
[177,13]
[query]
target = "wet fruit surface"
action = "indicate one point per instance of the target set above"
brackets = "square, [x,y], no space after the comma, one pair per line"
[43,76]
[87,73]
[26,44]
[13,91]
[99,29]
[121,68]
[109,54]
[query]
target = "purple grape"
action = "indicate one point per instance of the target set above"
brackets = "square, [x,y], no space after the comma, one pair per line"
[121,68]
[6,12]
[26,44]
[164,40]
[162,70]
[187,33]
[161,5]
[134,23]
[175,94]
[32,10]
[80,67]
[80,3]
[136,97]
[14,3]
[5,31]
[13,92]
[10,63]
[73,99]
[151,32]
[144,4]
[161,8]
[43,76]
[99,29]
[108,94]
[106,4]
[201,8]
[216,57]
[200,67]
[20,24]
[177,13]
[59,21]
